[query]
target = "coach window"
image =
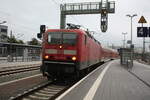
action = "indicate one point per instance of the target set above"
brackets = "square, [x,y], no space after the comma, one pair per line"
[85,39]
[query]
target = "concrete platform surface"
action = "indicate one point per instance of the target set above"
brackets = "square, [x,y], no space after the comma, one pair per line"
[17,64]
[142,71]
[109,82]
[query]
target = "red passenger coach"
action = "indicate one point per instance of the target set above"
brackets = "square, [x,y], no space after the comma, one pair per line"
[108,54]
[68,51]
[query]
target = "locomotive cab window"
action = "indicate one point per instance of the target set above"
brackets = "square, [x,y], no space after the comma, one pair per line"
[69,38]
[54,38]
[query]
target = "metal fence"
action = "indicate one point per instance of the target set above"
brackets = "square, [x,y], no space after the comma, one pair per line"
[138,56]
[11,52]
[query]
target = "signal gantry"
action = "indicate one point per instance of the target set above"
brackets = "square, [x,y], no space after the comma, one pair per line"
[103,8]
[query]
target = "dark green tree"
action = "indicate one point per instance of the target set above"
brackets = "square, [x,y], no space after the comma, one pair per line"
[13,39]
[20,42]
[34,41]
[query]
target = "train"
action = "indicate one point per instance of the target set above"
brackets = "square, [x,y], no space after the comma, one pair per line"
[70,51]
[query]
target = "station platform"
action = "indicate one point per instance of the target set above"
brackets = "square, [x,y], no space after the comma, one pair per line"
[18,64]
[142,71]
[111,81]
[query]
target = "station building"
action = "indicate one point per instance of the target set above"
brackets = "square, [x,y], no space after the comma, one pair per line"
[3,33]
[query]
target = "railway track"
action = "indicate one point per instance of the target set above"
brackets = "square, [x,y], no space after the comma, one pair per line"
[46,91]
[31,88]
[18,70]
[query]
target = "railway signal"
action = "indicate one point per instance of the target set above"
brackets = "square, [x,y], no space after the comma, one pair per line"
[42,30]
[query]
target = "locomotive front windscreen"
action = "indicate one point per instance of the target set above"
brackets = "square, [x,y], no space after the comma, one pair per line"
[62,38]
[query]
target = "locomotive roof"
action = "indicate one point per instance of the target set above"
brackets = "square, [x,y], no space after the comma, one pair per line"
[67,30]
[78,31]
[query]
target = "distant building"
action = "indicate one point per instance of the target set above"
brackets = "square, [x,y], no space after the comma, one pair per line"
[3,33]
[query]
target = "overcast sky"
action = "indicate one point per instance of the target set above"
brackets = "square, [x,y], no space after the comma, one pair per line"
[26,16]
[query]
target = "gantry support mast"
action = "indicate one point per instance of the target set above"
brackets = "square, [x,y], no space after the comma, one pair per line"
[103,8]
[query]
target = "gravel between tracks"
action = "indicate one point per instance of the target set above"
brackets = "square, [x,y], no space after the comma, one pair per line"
[14,88]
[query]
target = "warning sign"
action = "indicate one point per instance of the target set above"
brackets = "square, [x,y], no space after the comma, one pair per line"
[142,20]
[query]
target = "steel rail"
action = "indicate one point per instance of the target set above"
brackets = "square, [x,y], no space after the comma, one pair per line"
[46,91]
[18,70]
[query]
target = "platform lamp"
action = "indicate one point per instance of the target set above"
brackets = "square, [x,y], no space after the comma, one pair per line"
[132,46]
[131,16]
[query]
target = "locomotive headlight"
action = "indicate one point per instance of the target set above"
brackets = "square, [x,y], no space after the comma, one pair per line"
[46,57]
[60,46]
[74,58]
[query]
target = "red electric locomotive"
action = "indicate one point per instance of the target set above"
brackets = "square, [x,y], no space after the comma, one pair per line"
[68,51]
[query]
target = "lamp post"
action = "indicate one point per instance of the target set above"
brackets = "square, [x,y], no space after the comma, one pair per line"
[131,16]
[124,41]
[131,46]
